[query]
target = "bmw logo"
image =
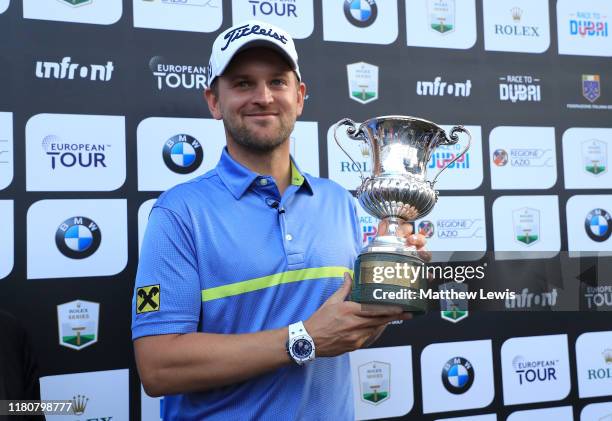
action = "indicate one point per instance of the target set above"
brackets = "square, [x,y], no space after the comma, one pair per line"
[361,13]
[183,154]
[500,157]
[598,225]
[457,375]
[426,228]
[78,237]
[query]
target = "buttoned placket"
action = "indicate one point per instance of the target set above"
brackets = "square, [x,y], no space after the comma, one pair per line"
[266,186]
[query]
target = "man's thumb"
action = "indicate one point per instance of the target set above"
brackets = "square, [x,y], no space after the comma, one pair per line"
[343,291]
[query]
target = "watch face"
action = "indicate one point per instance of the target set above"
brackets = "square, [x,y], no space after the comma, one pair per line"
[301,348]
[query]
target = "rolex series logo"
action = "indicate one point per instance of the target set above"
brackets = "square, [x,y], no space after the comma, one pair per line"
[79,403]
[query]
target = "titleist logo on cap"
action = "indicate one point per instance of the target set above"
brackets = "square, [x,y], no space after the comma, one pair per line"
[245,30]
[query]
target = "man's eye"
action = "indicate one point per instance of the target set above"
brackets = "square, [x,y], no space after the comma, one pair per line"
[279,82]
[242,84]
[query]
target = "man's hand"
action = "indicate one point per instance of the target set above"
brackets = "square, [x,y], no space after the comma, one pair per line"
[418,241]
[340,326]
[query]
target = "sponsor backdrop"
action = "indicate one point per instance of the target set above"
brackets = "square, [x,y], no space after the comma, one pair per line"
[101,110]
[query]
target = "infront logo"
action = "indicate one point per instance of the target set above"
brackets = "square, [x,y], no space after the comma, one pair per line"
[67,70]
[439,88]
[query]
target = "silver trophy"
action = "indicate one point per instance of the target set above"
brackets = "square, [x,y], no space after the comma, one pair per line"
[399,149]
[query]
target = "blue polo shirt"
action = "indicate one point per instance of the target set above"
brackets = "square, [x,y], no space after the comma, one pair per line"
[225,253]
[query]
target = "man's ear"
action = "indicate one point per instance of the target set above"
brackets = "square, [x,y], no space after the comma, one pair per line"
[213,104]
[301,94]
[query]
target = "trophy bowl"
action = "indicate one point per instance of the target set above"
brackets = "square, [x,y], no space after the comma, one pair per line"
[397,190]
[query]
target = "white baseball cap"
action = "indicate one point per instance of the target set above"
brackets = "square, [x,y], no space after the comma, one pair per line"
[248,34]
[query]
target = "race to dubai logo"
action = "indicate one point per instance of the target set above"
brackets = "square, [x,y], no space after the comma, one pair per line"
[374,381]
[369,229]
[441,15]
[526,223]
[182,154]
[457,375]
[521,88]
[360,13]
[362,81]
[586,24]
[595,156]
[445,154]
[78,324]
[591,87]
[598,225]
[78,237]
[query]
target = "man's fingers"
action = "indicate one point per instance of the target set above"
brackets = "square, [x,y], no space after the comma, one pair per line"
[417,240]
[378,310]
[405,229]
[342,292]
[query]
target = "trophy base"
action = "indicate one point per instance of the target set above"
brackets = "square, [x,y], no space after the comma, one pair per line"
[390,278]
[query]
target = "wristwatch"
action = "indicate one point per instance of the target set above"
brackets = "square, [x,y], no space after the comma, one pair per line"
[300,346]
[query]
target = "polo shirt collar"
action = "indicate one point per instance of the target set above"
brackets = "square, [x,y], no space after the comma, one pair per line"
[238,178]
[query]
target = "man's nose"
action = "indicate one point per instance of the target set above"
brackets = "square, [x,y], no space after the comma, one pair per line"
[263,94]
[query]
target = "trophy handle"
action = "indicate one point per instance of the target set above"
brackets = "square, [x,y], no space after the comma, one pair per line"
[454,138]
[353,132]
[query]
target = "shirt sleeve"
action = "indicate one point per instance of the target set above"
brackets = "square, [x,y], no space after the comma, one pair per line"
[167,295]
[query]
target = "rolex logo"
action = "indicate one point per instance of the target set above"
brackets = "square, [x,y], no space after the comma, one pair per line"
[79,402]
[607,354]
[517,12]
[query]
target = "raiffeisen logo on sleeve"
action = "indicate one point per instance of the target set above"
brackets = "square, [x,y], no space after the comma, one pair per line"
[584,27]
[76,238]
[361,21]
[169,75]
[101,12]
[75,152]
[178,15]
[518,26]
[66,69]
[535,369]
[296,16]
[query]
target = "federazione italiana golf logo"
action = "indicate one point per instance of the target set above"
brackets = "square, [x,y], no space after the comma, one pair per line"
[78,324]
[363,82]
[374,380]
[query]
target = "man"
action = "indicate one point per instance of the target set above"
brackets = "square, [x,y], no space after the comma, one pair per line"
[239,305]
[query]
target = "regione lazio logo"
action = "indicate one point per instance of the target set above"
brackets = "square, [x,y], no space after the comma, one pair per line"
[595,156]
[147,299]
[361,13]
[182,153]
[526,223]
[457,375]
[363,82]
[591,87]
[78,237]
[78,324]
[598,225]
[374,380]
[441,15]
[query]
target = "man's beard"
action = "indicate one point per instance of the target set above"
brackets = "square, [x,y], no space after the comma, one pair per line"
[244,137]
